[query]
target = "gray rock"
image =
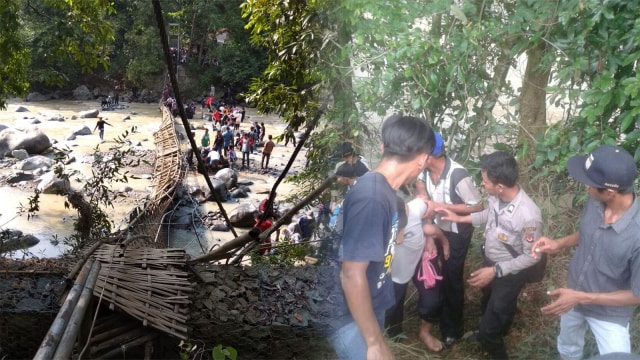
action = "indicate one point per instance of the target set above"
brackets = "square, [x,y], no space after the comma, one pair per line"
[243,215]
[84,130]
[70,160]
[31,139]
[15,240]
[228,176]
[51,184]
[34,162]
[36,96]
[126,188]
[35,121]
[2,127]
[70,137]
[126,118]
[219,189]
[73,117]
[82,93]
[21,108]
[239,193]
[20,154]
[89,114]
[53,117]
[38,172]
[219,227]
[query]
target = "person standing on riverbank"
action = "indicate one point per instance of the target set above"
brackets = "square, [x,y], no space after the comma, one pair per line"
[266,153]
[100,126]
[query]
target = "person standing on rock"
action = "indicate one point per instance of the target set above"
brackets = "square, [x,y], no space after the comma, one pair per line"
[266,153]
[205,141]
[245,147]
[364,288]
[100,126]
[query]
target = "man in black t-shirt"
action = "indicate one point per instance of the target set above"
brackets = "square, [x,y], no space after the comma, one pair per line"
[368,236]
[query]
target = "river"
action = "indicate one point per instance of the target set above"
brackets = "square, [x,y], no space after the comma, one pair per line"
[53,221]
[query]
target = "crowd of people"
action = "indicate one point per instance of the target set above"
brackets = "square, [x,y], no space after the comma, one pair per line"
[390,237]
[220,151]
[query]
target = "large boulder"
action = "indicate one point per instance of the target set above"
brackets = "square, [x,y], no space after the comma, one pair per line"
[21,108]
[228,176]
[31,139]
[220,189]
[84,130]
[243,215]
[82,93]
[36,96]
[13,240]
[52,184]
[89,113]
[52,117]
[34,162]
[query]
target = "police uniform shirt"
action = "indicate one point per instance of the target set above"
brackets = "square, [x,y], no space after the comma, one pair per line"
[518,224]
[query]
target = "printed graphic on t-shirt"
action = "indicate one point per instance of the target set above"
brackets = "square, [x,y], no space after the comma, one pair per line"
[388,255]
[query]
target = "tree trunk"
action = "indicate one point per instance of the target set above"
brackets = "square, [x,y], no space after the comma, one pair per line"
[533,106]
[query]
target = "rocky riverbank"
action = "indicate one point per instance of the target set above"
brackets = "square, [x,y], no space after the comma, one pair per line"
[67,126]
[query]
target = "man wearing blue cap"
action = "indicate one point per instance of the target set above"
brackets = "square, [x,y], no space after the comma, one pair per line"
[603,281]
[448,186]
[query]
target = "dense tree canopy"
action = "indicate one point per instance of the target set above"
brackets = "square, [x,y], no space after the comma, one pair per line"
[449,63]
[52,44]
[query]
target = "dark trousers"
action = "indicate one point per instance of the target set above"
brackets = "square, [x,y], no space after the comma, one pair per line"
[265,156]
[394,316]
[498,305]
[245,156]
[444,303]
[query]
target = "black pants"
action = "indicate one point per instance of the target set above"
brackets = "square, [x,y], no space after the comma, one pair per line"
[394,316]
[444,303]
[499,304]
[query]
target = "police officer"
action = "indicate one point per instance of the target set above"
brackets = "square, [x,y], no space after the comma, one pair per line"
[513,223]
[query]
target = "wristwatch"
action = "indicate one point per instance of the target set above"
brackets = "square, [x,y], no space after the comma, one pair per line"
[498,270]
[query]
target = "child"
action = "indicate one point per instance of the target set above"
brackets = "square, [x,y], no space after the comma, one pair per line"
[232,156]
[408,252]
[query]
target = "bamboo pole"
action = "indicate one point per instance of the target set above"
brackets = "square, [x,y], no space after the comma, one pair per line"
[52,339]
[222,251]
[286,217]
[64,349]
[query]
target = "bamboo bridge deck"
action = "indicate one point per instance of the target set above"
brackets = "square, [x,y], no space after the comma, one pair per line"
[141,277]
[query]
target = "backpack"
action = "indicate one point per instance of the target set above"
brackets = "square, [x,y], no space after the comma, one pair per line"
[536,272]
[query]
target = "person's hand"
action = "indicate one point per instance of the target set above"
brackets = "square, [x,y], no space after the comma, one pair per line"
[482,277]
[567,299]
[379,351]
[446,214]
[446,251]
[430,245]
[430,213]
[544,245]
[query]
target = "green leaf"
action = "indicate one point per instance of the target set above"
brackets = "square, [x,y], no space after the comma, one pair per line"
[217,353]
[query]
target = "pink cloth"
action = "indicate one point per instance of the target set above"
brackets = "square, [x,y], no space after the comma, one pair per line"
[427,272]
